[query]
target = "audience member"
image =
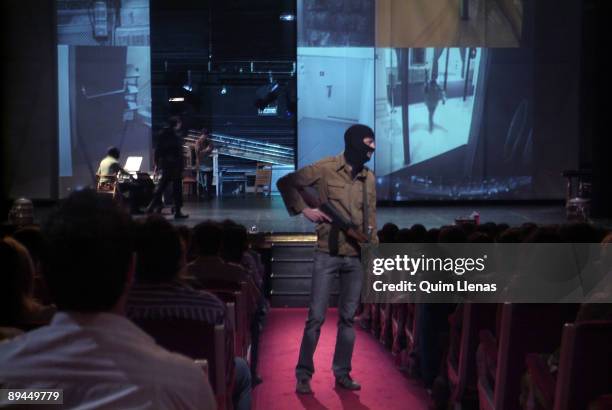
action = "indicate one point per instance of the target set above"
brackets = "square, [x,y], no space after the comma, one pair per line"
[388,232]
[90,350]
[31,237]
[159,294]
[208,265]
[18,308]
[233,248]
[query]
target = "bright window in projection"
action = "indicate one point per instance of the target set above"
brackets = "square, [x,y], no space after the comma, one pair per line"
[425,103]
[335,74]
[104,85]
[335,90]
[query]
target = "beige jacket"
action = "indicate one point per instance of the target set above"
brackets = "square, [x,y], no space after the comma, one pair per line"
[332,178]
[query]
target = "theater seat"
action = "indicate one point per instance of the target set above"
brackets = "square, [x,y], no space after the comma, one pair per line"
[239,318]
[398,320]
[523,328]
[197,340]
[585,366]
[386,333]
[461,366]
[410,336]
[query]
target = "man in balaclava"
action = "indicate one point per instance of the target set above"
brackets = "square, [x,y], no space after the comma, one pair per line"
[356,150]
[345,188]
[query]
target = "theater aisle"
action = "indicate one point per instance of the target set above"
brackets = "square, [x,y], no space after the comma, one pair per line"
[383,386]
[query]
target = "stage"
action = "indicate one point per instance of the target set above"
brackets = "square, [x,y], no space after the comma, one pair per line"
[269,213]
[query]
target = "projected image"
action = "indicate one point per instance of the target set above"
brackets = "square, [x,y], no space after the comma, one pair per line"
[335,91]
[425,99]
[337,23]
[443,23]
[103,22]
[456,124]
[104,100]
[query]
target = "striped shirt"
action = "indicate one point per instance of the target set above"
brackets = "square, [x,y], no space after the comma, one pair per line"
[174,300]
[177,300]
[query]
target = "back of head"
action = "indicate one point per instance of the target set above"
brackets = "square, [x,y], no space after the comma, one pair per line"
[388,232]
[235,242]
[543,234]
[404,235]
[16,281]
[207,237]
[432,235]
[510,235]
[113,152]
[88,254]
[159,252]
[489,228]
[452,234]
[479,237]
[419,231]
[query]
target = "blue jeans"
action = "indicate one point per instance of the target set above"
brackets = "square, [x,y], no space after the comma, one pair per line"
[351,275]
[241,396]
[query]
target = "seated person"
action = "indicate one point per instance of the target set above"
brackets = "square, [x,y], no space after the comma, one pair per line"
[159,294]
[18,308]
[129,189]
[110,167]
[208,265]
[31,237]
[90,350]
[531,396]
[234,251]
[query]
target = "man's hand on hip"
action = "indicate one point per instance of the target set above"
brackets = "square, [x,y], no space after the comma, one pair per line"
[315,215]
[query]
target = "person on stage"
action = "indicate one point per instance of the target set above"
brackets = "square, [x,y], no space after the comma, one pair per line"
[204,160]
[110,167]
[340,181]
[108,171]
[169,160]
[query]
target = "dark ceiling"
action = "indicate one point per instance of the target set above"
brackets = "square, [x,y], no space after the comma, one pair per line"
[230,29]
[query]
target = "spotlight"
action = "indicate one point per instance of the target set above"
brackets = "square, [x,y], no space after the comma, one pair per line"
[188,87]
[223,90]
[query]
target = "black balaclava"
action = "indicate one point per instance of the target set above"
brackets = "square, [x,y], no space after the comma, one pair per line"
[355,151]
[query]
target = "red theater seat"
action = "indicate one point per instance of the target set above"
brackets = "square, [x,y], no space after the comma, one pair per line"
[239,319]
[386,333]
[375,315]
[461,365]
[398,319]
[409,335]
[523,328]
[586,350]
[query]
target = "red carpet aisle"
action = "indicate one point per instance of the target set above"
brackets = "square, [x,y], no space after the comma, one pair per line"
[383,386]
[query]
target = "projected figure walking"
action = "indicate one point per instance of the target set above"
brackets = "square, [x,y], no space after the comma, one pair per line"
[433,95]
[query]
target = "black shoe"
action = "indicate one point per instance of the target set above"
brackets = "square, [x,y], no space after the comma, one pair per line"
[347,383]
[303,387]
[180,215]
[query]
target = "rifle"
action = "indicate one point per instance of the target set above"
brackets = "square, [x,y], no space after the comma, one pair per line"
[313,200]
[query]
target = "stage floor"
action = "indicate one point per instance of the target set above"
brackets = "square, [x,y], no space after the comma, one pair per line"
[269,214]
